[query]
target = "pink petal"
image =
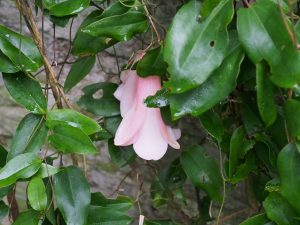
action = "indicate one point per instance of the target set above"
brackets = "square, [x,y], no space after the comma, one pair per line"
[126,93]
[150,145]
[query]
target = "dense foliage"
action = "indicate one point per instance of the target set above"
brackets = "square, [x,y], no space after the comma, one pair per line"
[232,66]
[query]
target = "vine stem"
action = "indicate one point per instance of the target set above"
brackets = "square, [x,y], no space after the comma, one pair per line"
[25,10]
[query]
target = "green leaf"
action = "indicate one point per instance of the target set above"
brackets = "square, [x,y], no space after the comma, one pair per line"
[265,94]
[111,124]
[47,171]
[29,217]
[69,139]
[203,171]
[21,50]
[211,92]
[239,146]
[65,7]
[36,193]
[20,167]
[79,70]
[265,39]
[288,163]
[259,219]
[194,49]
[120,156]
[105,105]
[121,203]
[3,210]
[212,124]
[26,91]
[244,169]
[279,210]
[119,27]
[160,99]
[6,65]
[291,114]
[207,7]
[113,211]
[86,44]
[29,137]
[72,118]
[3,156]
[152,63]
[72,195]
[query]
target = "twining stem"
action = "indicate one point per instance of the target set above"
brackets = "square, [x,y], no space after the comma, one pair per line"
[25,10]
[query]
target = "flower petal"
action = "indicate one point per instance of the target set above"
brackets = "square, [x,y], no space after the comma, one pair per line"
[150,144]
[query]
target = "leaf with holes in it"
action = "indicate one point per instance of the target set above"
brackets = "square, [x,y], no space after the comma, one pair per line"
[195,48]
[105,104]
[20,167]
[265,94]
[267,39]
[72,195]
[215,89]
[72,118]
[65,7]
[69,139]
[29,137]
[26,91]
[78,71]
[203,171]
[21,50]
[119,27]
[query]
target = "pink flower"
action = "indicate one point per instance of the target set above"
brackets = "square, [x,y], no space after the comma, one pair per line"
[142,126]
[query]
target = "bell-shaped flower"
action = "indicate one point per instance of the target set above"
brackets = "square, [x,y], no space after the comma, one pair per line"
[142,126]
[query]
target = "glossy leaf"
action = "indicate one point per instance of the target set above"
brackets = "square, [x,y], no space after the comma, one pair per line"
[29,137]
[203,171]
[69,139]
[47,171]
[279,210]
[191,44]
[6,66]
[20,167]
[207,7]
[120,27]
[72,195]
[26,91]
[65,7]
[239,146]
[113,211]
[265,39]
[86,44]
[160,99]
[152,64]
[79,70]
[20,50]
[288,163]
[36,193]
[265,94]
[29,217]
[291,112]
[211,92]
[72,118]
[259,219]
[120,156]
[105,105]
